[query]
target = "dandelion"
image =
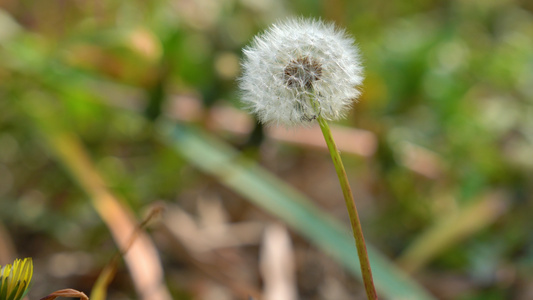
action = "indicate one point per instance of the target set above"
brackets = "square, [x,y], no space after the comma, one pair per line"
[299,70]
[15,280]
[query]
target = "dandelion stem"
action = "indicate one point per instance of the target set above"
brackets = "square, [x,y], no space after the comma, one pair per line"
[352,210]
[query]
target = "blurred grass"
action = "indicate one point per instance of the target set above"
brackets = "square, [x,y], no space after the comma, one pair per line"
[273,195]
[452,228]
[448,94]
[142,259]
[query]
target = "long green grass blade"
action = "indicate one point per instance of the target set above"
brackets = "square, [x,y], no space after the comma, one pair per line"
[268,192]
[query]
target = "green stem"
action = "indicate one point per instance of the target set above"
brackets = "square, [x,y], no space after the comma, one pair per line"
[352,211]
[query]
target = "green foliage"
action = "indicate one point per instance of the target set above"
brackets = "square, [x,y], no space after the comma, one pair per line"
[448,94]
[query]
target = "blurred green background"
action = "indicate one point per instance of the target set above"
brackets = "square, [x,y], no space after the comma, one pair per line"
[448,99]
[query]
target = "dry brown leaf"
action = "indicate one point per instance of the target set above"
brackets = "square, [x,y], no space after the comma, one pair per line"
[66,293]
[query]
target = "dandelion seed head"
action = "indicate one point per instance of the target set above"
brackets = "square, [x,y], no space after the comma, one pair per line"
[294,62]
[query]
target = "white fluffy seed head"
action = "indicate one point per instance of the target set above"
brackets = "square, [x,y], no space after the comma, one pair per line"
[299,70]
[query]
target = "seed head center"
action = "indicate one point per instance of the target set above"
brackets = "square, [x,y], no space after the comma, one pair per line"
[302,72]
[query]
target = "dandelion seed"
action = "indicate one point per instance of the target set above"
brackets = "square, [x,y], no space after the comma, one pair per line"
[299,70]
[302,72]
